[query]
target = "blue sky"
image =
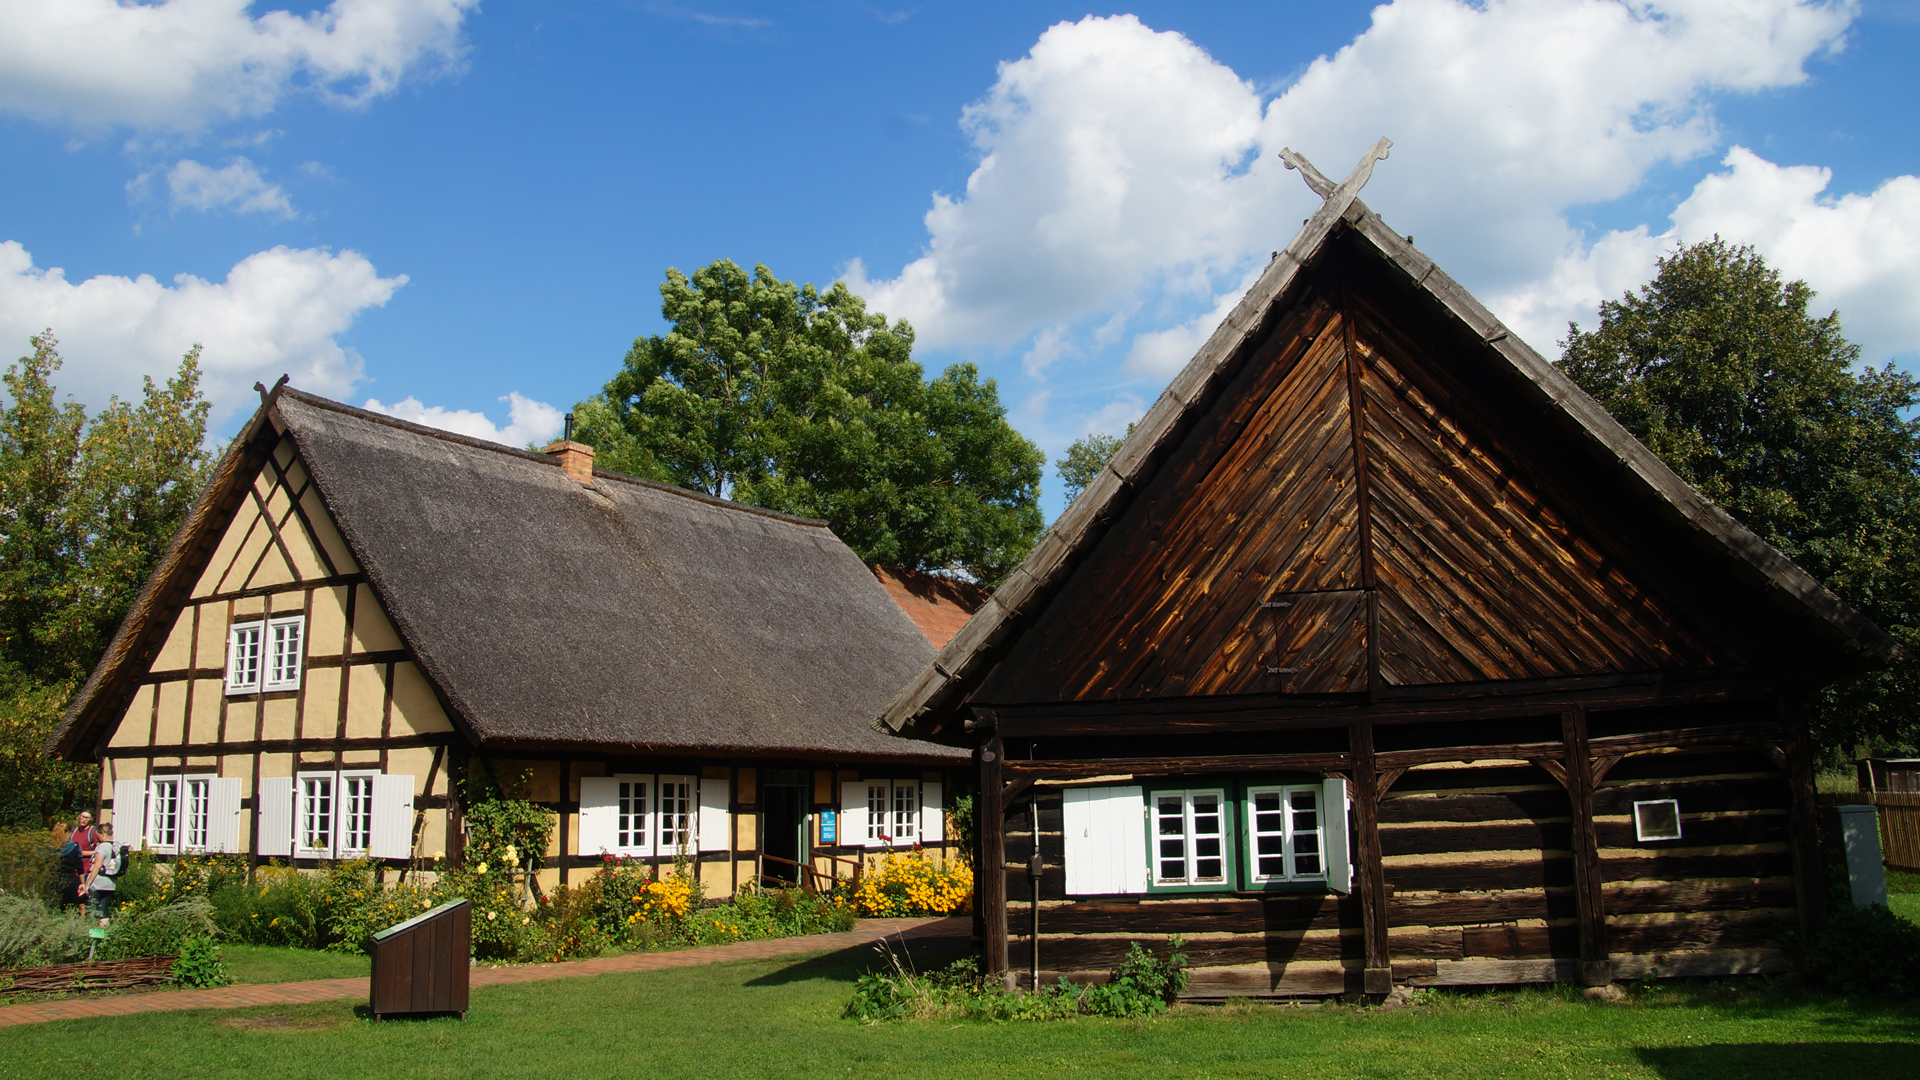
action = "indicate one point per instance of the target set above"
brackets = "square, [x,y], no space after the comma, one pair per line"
[462,211]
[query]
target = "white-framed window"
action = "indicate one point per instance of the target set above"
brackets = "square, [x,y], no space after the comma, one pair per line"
[1285,838]
[889,812]
[163,814]
[893,811]
[197,813]
[334,813]
[1656,819]
[1189,836]
[265,654]
[652,814]
[634,809]
[674,811]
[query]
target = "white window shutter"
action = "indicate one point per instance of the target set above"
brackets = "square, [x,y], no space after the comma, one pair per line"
[853,813]
[599,812]
[130,813]
[273,806]
[1333,812]
[1106,841]
[223,815]
[713,826]
[392,818]
[933,814]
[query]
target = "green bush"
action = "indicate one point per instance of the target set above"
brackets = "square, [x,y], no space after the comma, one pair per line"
[1866,950]
[156,928]
[200,964]
[29,864]
[33,932]
[1141,986]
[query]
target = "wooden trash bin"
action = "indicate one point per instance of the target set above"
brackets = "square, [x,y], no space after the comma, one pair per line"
[420,966]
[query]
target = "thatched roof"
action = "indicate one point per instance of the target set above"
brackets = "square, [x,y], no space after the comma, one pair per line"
[1344,226]
[621,616]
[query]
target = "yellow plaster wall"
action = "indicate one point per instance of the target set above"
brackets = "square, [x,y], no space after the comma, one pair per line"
[416,709]
[366,701]
[327,627]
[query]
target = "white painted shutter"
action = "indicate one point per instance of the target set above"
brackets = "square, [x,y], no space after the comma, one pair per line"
[933,813]
[599,814]
[130,813]
[714,823]
[853,814]
[223,815]
[1333,812]
[392,818]
[273,805]
[1106,840]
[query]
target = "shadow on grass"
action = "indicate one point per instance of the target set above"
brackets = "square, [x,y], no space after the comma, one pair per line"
[846,965]
[1846,1060]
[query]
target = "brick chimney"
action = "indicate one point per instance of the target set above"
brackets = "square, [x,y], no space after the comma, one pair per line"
[576,458]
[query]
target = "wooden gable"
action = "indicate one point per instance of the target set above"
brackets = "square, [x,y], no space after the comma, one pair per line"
[1349,515]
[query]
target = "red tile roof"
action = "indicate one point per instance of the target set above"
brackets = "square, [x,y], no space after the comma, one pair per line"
[939,606]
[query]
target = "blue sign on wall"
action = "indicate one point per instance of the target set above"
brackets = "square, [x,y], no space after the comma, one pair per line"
[827,827]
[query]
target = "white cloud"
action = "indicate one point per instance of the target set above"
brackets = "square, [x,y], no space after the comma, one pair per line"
[1161,353]
[184,63]
[238,187]
[1861,253]
[1049,345]
[278,311]
[528,421]
[1116,161]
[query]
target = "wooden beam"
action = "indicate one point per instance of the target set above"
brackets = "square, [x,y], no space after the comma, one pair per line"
[1576,773]
[992,859]
[1602,766]
[1377,977]
[1809,874]
[1554,769]
[1066,769]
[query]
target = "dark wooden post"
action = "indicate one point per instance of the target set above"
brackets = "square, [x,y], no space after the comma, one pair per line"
[991,889]
[1809,875]
[1378,975]
[1596,969]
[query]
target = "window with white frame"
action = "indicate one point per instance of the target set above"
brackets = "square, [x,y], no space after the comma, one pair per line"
[316,814]
[163,814]
[633,814]
[1189,830]
[676,814]
[265,654]
[885,812]
[893,811]
[1656,819]
[1284,835]
[198,813]
[334,814]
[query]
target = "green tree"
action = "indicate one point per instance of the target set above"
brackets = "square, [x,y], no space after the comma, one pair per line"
[86,509]
[785,397]
[1084,459]
[1718,367]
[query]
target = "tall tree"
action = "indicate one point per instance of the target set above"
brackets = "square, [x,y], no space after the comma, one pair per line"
[86,509]
[1084,459]
[785,397]
[1719,368]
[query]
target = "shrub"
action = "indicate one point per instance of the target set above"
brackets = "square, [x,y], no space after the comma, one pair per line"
[1142,985]
[1866,950]
[568,924]
[200,964]
[34,933]
[908,885]
[152,928]
[279,906]
[501,926]
[29,864]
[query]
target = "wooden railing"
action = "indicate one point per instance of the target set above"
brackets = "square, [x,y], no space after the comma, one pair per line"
[811,879]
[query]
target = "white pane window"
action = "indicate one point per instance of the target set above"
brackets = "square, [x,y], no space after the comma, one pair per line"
[1189,838]
[199,805]
[676,805]
[879,810]
[906,812]
[631,830]
[163,815]
[1285,834]
[316,814]
[243,657]
[1658,819]
[356,813]
[284,641]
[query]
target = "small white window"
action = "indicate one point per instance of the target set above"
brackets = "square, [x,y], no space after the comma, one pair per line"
[284,640]
[243,657]
[676,814]
[1189,838]
[632,809]
[265,655]
[193,826]
[163,815]
[334,814]
[356,814]
[316,815]
[1285,834]
[1657,819]
[893,812]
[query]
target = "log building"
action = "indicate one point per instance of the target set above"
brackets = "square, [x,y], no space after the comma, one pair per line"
[1380,654]
[361,613]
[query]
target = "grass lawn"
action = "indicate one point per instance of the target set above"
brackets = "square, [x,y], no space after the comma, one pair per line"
[271,964]
[780,1018]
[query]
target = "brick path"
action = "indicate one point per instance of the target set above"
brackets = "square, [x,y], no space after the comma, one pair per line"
[296,993]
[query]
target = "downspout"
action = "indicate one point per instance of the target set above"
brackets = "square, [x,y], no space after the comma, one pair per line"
[1033,879]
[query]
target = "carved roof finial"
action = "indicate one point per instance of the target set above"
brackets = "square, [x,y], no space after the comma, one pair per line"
[1355,180]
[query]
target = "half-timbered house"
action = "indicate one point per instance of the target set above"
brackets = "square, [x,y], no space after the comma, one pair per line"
[361,613]
[1379,654]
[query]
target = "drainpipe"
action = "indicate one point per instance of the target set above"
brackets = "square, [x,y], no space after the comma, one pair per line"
[1033,879]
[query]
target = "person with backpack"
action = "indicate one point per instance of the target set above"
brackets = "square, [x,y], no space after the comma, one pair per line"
[73,870]
[109,862]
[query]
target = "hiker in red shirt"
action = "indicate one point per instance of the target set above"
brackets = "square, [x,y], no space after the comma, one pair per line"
[83,835]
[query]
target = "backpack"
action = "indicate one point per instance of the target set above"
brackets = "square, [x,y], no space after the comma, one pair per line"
[70,861]
[113,860]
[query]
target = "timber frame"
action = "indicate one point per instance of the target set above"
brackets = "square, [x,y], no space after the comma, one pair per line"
[1368,534]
